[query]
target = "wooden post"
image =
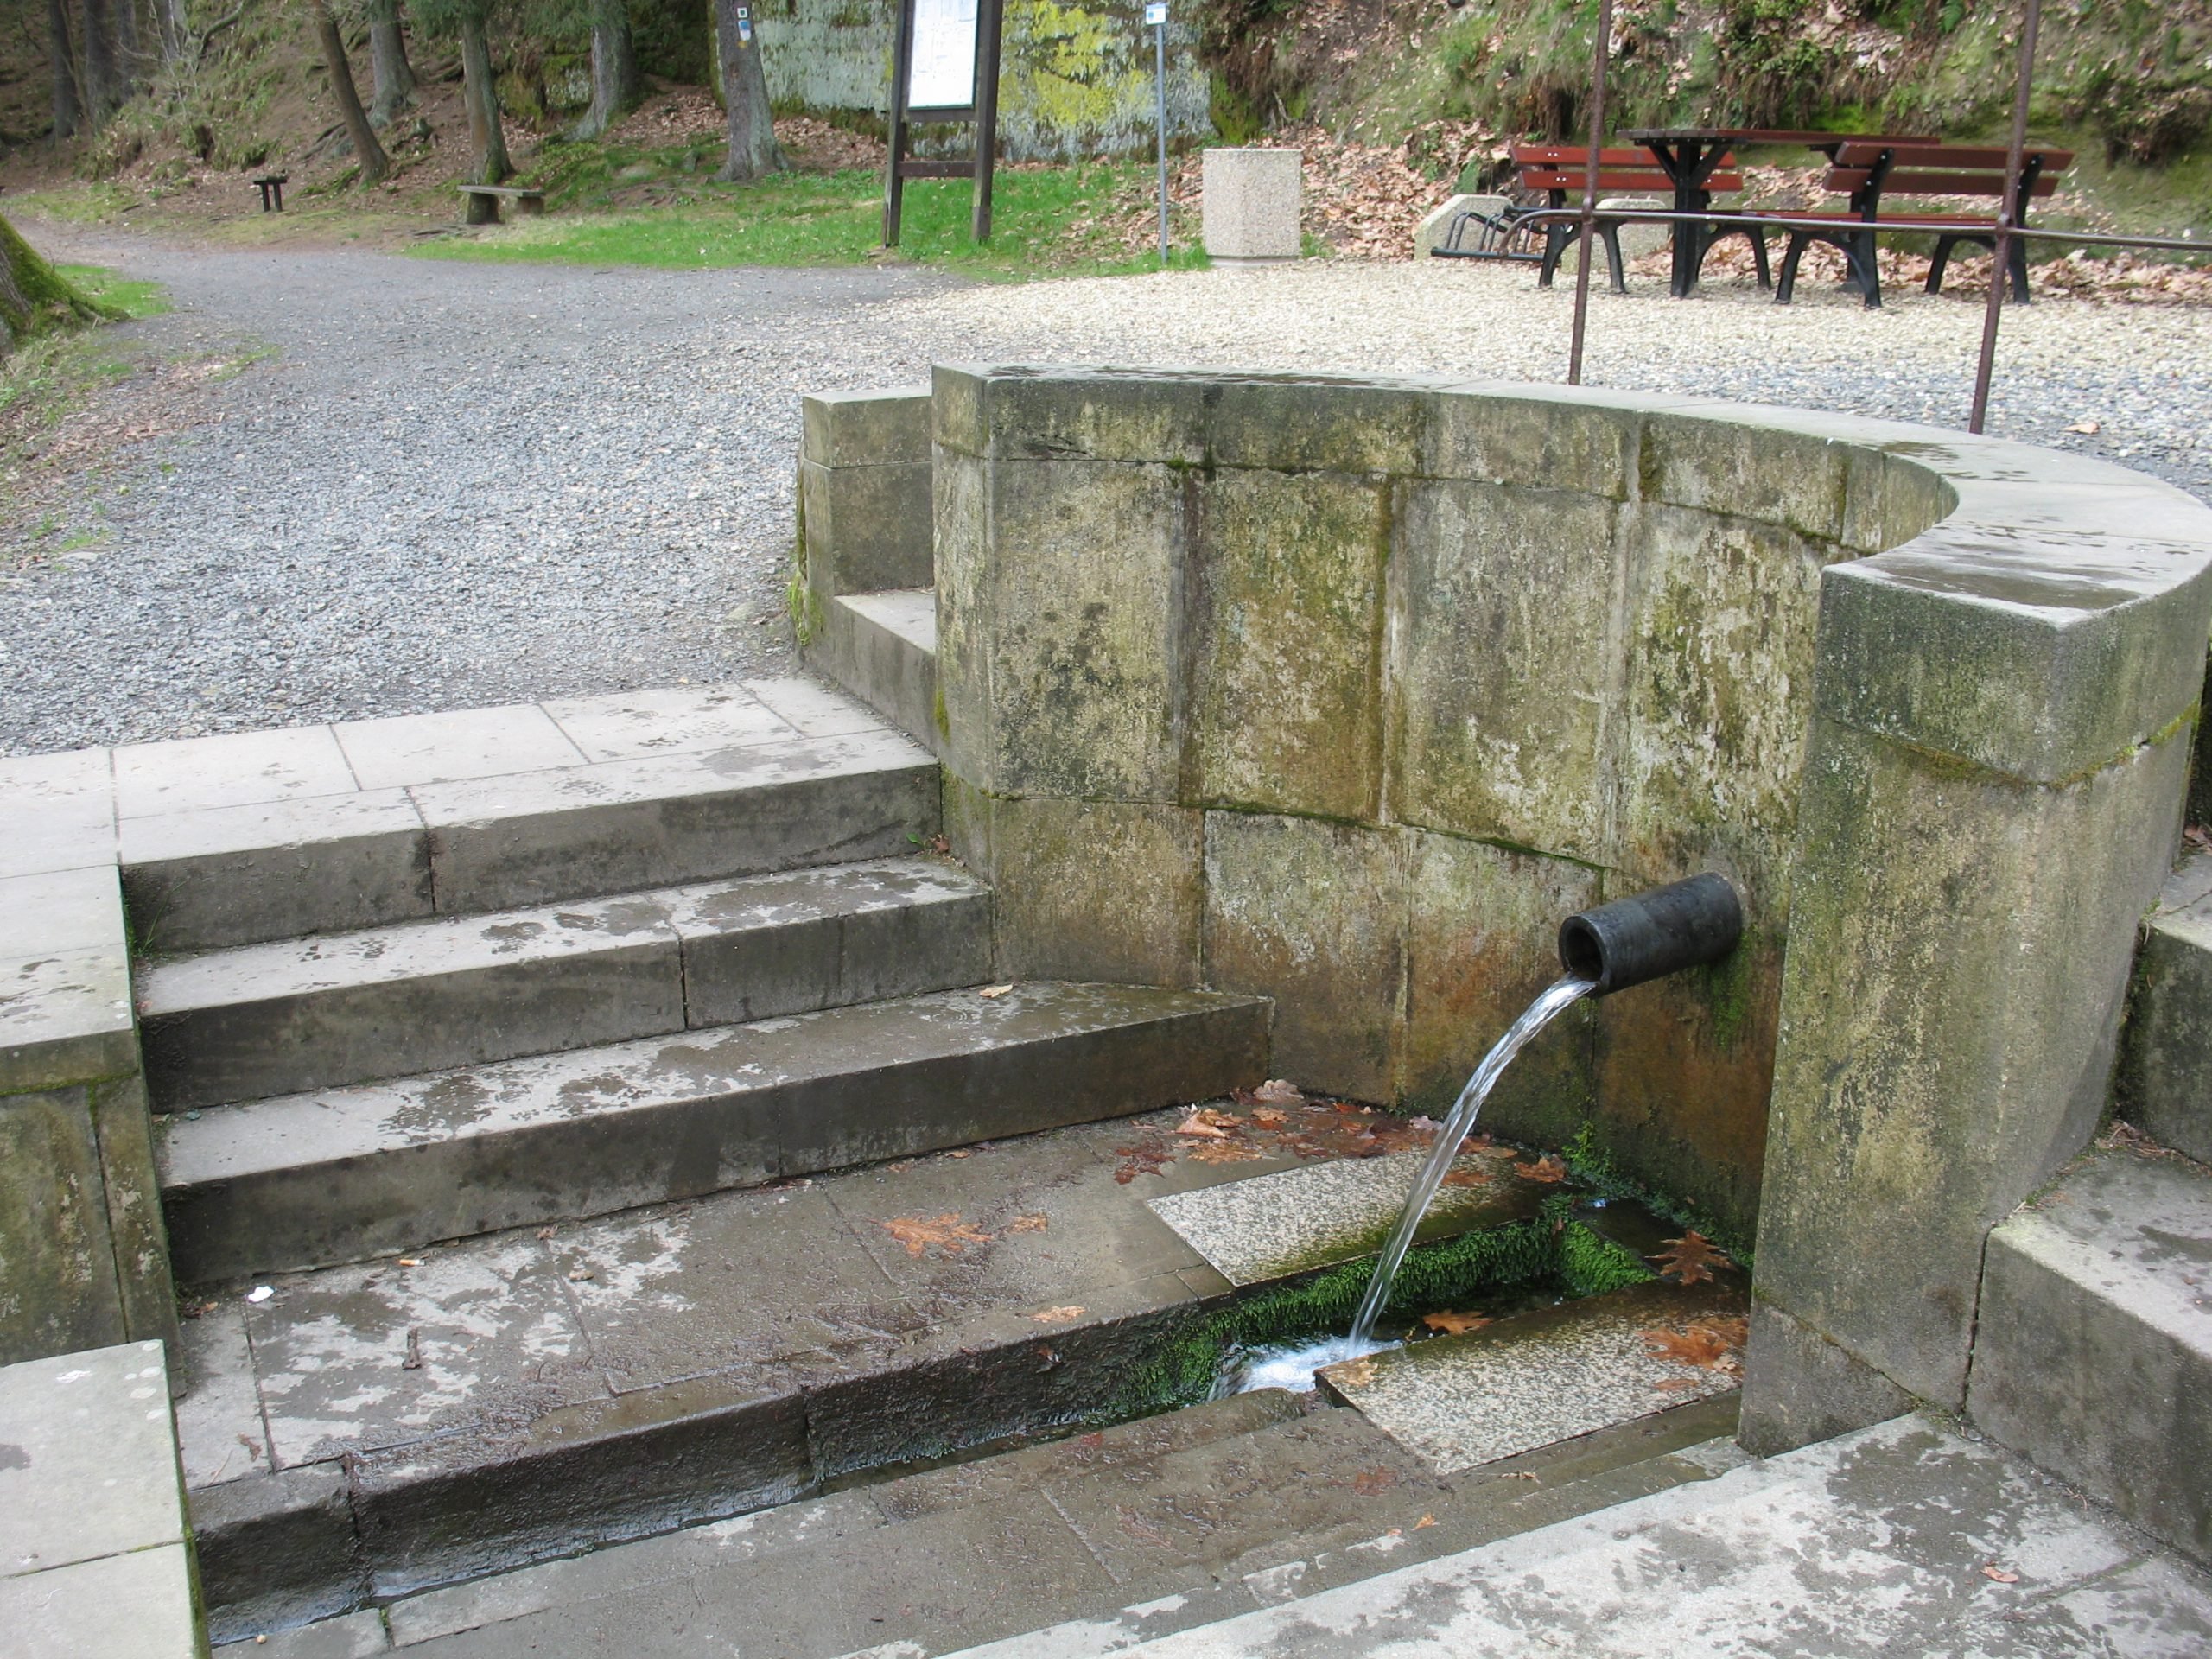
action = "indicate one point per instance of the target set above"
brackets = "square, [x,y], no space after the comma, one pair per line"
[2001,254]
[902,66]
[989,22]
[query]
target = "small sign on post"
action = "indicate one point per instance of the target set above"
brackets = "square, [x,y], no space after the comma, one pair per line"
[1155,18]
[745,26]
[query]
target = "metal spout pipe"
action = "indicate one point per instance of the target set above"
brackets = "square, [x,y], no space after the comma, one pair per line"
[1683,925]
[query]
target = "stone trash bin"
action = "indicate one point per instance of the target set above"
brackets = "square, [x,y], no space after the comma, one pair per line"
[1251,202]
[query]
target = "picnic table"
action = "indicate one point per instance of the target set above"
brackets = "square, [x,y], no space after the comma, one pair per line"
[1688,155]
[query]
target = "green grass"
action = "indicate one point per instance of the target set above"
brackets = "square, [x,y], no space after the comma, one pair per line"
[132,298]
[1044,224]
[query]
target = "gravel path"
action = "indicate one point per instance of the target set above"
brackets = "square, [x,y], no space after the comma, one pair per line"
[455,484]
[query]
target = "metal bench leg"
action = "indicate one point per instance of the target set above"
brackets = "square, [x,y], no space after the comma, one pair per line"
[1758,255]
[2018,259]
[1556,238]
[1859,251]
[1785,284]
[1940,262]
[1611,234]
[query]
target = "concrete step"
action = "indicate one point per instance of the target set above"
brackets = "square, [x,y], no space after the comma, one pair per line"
[883,648]
[1552,1374]
[320,1012]
[2164,1080]
[1904,1538]
[275,834]
[337,1175]
[1179,1512]
[2093,1347]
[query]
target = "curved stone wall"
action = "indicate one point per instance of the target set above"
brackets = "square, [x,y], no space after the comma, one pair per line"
[1346,690]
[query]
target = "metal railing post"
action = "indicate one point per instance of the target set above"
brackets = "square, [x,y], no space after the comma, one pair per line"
[1602,51]
[2000,255]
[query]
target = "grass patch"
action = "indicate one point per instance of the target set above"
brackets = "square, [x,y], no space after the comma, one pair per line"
[1048,221]
[132,298]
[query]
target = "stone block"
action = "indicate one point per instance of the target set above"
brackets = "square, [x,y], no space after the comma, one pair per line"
[277,1549]
[1021,412]
[1640,239]
[57,811]
[1285,694]
[1314,915]
[1250,202]
[1503,643]
[1959,950]
[441,748]
[62,910]
[866,528]
[673,720]
[2092,1351]
[220,1434]
[884,647]
[1534,437]
[2037,654]
[2162,1087]
[235,769]
[1718,648]
[812,708]
[66,1018]
[90,1468]
[230,875]
[1083,562]
[1094,890]
[138,1238]
[966,644]
[1481,941]
[1309,423]
[1800,1388]
[1745,467]
[1888,500]
[58,1290]
[866,428]
[139,1605]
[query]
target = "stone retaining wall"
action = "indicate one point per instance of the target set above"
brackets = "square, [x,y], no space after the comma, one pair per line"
[1345,691]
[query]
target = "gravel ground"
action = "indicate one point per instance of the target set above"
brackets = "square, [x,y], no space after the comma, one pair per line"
[454,484]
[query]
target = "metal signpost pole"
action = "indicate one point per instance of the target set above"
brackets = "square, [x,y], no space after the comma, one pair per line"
[1156,15]
[2000,255]
[902,66]
[990,22]
[1603,51]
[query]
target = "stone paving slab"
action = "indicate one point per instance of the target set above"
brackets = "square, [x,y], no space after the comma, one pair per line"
[668,722]
[1866,1547]
[1553,1375]
[460,743]
[57,811]
[1314,1216]
[133,1606]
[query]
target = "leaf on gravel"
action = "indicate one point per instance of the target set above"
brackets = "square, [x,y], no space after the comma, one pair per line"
[1454,1324]
[947,1232]
[1426,1521]
[2087,429]
[1710,1346]
[1036,1223]
[1547,1168]
[1279,1092]
[1691,1259]
[1058,1315]
[2001,1574]
[991,991]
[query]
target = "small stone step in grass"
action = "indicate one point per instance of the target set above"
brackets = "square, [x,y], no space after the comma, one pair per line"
[371,1432]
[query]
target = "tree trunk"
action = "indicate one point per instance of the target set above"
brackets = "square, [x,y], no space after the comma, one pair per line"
[366,150]
[395,77]
[176,35]
[614,83]
[486,141]
[34,298]
[132,67]
[753,149]
[68,109]
[103,86]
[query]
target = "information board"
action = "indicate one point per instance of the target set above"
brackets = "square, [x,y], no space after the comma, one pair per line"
[944,73]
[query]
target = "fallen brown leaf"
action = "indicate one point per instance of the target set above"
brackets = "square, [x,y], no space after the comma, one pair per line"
[1029,1224]
[1454,1324]
[1691,1258]
[947,1232]
[1058,1315]
[1710,1346]
[1268,1118]
[1352,1373]
[1547,1169]
[1368,1482]
[1426,1521]
[1223,1152]
[2087,429]
[1279,1092]
[2002,1576]
[992,991]
[1145,1158]
[1468,1175]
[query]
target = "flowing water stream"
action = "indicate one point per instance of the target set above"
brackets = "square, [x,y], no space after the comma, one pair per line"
[1293,1367]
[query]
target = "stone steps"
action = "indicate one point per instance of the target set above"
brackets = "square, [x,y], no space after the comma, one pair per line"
[323,1012]
[337,1175]
[1257,1496]
[2093,1351]
[2164,1081]
[883,648]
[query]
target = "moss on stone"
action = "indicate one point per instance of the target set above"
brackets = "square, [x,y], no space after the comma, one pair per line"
[1595,1168]
[34,298]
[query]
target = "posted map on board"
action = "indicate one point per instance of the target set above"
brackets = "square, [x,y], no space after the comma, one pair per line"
[943,73]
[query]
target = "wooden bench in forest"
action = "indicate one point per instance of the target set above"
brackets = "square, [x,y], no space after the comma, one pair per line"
[1870,171]
[484,202]
[271,187]
[1557,169]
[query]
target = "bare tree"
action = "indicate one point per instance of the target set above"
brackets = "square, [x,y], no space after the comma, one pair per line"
[68,108]
[395,76]
[374,163]
[753,149]
[614,82]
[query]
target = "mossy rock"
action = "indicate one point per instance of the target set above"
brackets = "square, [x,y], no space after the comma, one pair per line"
[34,299]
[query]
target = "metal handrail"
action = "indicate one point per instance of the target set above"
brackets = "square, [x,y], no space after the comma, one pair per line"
[1800,221]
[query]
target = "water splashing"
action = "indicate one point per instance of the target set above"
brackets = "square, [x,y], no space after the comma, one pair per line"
[1561,995]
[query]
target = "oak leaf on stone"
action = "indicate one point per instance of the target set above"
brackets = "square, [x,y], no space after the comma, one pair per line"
[1691,1259]
[948,1233]
[1548,1169]
[1454,1324]
[1710,1346]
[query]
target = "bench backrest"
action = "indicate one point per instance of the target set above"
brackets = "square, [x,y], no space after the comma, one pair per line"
[1565,167]
[1941,170]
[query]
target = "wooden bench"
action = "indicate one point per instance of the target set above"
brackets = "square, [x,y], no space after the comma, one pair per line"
[484,202]
[271,187]
[1869,172]
[1558,169]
